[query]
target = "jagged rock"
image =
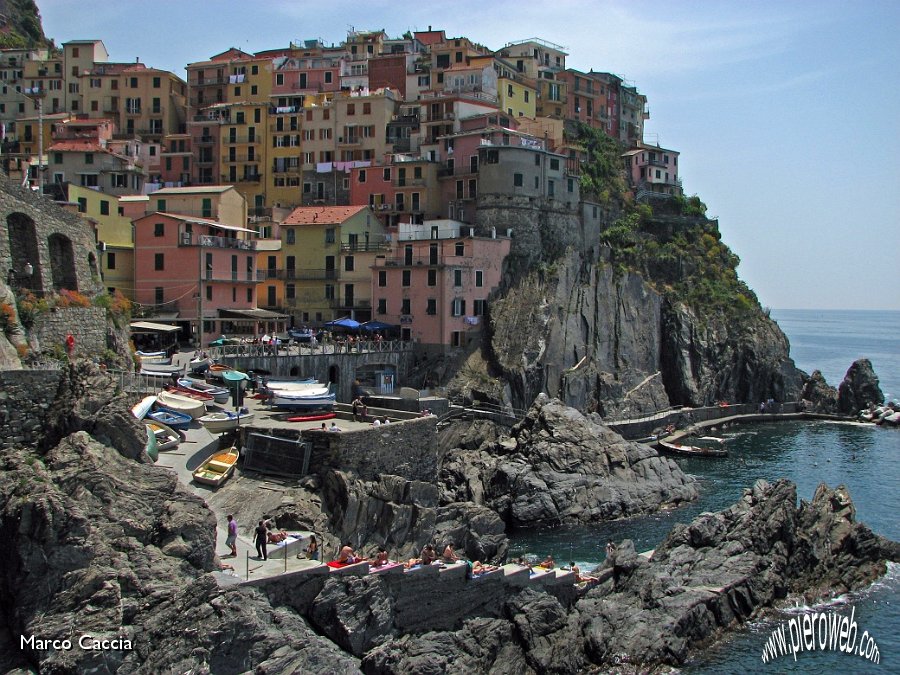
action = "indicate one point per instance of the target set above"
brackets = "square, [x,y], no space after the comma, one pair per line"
[564,467]
[820,396]
[859,388]
[609,343]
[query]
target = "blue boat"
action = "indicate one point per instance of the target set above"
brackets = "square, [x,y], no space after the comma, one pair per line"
[171,418]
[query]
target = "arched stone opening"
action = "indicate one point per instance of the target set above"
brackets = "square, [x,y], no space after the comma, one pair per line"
[62,262]
[24,252]
[295,371]
[334,374]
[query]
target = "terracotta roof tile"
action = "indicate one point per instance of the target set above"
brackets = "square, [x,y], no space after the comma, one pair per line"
[316,215]
[84,145]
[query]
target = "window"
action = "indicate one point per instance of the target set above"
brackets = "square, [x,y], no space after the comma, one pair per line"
[57,158]
[351,109]
[432,277]
[404,306]
[82,205]
[329,233]
[431,307]
[159,261]
[157,83]
[159,295]
[132,82]
[458,308]
[329,291]
[382,278]
[290,291]
[479,307]
[457,278]
[571,185]
[509,90]
[479,278]
[518,180]
[250,294]
[89,158]
[460,248]
[279,78]
[206,208]
[537,160]
[362,175]
[328,77]
[209,292]
[348,263]
[367,109]
[104,207]
[159,229]
[554,164]
[386,174]
[407,278]
[110,261]
[551,188]
[291,236]
[382,306]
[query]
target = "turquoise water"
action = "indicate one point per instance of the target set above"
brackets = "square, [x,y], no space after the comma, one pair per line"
[863,457]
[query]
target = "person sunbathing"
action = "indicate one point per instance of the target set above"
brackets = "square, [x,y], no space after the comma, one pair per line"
[449,555]
[548,563]
[479,568]
[347,556]
[277,537]
[428,556]
[579,577]
[380,559]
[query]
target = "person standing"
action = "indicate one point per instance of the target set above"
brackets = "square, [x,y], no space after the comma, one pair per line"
[261,537]
[231,539]
[70,345]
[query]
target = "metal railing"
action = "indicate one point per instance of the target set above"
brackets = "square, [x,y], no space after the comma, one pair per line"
[293,348]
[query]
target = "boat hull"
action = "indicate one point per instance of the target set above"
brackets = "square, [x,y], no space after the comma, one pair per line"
[183,404]
[218,423]
[171,418]
[217,468]
[143,407]
[691,450]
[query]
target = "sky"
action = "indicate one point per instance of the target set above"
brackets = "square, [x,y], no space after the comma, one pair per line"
[786,114]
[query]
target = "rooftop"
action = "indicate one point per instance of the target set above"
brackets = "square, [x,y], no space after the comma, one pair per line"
[314,215]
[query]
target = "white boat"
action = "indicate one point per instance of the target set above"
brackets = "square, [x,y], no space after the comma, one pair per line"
[141,408]
[166,437]
[151,355]
[291,385]
[198,365]
[220,422]
[189,406]
[153,368]
[297,400]
[219,394]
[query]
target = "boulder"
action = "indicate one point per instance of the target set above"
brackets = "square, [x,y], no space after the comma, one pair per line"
[562,466]
[859,388]
[820,397]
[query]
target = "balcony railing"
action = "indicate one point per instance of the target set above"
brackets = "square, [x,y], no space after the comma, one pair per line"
[364,246]
[243,139]
[250,178]
[409,182]
[208,240]
[310,275]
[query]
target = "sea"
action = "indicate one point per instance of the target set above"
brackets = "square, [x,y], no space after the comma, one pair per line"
[863,457]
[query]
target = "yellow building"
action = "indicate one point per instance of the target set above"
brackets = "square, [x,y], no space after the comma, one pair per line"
[516,98]
[222,203]
[141,101]
[328,251]
[270,274]
[80,56]
[112,216]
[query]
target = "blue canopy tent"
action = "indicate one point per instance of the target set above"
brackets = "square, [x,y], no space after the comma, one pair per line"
[372,326]
[346,322]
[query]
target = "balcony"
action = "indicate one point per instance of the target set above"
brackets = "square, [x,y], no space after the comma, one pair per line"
[365,246]
[410,261]
[310,275]
[210,241]
[349,140]
[409,182]
[231,279]
[236,159]
[256,140]
[250,178]
[207,82]
[287,169]
[205,140]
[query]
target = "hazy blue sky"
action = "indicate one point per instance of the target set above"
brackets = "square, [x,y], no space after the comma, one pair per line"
[786,114]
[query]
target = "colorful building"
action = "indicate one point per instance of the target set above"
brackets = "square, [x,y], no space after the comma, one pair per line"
[222,203]
[654,170]
[327,254]
[187,267]
[435,282]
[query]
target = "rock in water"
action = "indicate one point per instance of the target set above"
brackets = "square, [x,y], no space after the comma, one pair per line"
[821,396]
[562,466]
[860,388]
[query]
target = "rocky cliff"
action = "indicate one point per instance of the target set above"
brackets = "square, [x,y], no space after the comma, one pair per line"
[560,466]
[607,341]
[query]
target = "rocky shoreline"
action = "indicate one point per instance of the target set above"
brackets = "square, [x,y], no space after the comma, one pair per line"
[100,542]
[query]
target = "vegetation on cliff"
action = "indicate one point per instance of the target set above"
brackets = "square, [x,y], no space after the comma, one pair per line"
[23,26]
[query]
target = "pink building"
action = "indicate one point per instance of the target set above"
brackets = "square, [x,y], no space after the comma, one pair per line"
[653,169]
[435,282]
[186,265]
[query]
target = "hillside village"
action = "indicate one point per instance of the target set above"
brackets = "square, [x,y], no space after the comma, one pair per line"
[381,178]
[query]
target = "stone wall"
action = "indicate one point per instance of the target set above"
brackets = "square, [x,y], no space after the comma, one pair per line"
[407,448]
[86,324]
[26,406]
[59,245]
[342,367]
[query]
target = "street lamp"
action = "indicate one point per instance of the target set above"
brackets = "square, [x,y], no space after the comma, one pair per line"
[36,95]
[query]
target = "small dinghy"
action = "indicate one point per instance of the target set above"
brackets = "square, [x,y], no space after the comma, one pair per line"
[171,418]
[183,404]
[217,468]
[220,422]
[166,437]
[143,407]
